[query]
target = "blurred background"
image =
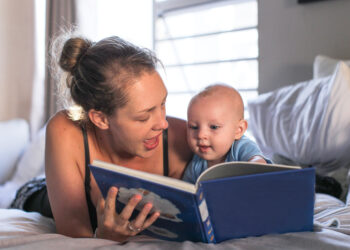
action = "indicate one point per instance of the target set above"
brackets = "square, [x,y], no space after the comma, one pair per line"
[255,46]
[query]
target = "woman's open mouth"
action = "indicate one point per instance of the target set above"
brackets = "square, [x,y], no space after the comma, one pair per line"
[152,143]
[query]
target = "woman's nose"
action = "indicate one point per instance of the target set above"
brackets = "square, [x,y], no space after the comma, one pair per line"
[161,122]
[164,123]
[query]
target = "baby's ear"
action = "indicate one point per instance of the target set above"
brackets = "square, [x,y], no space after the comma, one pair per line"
[242,127]
[98,118]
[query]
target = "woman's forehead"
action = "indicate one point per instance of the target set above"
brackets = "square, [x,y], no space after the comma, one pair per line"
[147,91]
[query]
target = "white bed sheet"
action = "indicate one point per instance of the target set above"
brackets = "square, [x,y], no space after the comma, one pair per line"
[23,230]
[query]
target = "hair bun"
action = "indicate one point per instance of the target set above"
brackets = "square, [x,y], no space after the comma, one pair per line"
[72,52]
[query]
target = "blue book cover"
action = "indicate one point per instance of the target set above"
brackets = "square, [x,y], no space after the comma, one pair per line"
[229,200]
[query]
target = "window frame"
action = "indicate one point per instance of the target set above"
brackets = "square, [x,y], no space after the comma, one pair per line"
[162,7]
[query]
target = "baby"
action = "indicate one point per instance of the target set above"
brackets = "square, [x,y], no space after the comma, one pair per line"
[215,130]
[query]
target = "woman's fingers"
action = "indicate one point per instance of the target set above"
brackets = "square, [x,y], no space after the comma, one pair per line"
[119,226]
[151,219]
[109,208]
[130,207]
[143,219]
[139,222]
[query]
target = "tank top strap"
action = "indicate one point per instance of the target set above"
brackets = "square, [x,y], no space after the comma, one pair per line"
[87,160]
[91,207]
[165,153]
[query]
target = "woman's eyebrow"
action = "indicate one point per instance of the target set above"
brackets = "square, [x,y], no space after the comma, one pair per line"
[147,110]
[152,108]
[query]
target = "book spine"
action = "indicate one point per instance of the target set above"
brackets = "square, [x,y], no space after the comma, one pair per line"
[205,217]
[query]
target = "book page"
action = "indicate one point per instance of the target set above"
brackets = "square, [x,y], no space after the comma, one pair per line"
[239,168]
[164,180]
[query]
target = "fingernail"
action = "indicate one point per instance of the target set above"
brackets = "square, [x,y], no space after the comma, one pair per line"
[149,205]
[138,197]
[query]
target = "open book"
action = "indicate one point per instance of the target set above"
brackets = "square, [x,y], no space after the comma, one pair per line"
[229,200]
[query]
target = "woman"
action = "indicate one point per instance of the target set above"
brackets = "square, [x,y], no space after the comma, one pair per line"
[122,120]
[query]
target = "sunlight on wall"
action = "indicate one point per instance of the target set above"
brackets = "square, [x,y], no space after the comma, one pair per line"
[131,20]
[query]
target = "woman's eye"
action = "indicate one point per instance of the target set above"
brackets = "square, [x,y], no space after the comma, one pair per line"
[214,127]
[144,119]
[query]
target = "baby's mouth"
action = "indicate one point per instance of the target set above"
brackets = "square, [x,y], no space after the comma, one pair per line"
[203,148]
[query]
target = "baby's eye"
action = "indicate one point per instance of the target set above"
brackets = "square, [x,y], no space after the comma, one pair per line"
[194,127]
[214,127]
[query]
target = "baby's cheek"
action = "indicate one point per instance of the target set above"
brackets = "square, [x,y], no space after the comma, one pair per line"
[192,143]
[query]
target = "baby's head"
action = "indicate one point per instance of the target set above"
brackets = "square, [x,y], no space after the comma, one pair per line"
[215,118]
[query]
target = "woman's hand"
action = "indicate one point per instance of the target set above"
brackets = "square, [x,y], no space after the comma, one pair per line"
[118,227]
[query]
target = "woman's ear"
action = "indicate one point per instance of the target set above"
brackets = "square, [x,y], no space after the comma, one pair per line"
[241,128]
[98,118]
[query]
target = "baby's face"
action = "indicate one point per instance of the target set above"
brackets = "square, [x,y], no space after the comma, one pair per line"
[211,127]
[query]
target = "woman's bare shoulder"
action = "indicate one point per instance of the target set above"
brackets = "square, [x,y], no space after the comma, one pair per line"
[61,123]
[64,143]
[62,132]
[177,132]
[179,151]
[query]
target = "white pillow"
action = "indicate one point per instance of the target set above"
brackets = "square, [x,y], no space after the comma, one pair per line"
[16,224]
[325,66]
[30,165]
[14,136]
[308,123]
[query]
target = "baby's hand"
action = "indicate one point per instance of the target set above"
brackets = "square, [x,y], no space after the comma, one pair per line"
[257,158]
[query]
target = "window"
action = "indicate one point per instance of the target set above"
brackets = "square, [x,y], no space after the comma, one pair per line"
[131,20]
[205,43]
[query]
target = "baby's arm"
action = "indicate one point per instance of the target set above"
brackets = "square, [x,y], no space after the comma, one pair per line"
[257,158]
[247,150]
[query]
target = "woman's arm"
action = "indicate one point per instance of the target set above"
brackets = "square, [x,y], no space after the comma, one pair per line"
[65,171]
[65,177]
[180,153]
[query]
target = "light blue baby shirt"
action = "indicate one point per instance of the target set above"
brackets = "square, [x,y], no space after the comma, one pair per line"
[241,150]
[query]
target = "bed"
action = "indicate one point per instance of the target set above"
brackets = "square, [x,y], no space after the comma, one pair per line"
[23,230]
[24,159]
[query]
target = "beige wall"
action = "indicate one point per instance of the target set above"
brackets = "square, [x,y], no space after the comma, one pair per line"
[16,57]
[292,34]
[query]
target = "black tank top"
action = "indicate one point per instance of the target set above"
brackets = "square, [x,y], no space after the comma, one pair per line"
[91,207]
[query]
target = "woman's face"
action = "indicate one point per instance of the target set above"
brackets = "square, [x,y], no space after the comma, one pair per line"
[137,127]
